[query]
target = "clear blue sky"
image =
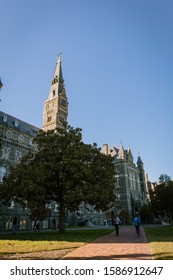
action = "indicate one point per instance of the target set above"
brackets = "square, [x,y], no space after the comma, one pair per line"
[117,62]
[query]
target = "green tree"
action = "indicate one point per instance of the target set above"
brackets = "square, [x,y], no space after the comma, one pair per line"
[145,214]
[164,178]
[162,198]
[64,170]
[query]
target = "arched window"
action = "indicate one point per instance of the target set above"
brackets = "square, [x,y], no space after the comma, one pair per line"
[8,135]
[3,171]
[6,153]
[18,156]
[117,178]
[117,195]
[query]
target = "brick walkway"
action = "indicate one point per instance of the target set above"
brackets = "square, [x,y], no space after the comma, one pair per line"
[126,246]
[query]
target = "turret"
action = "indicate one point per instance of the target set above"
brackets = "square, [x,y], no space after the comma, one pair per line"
[121,152]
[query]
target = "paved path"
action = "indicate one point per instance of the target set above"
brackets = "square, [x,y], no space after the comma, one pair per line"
[126,246]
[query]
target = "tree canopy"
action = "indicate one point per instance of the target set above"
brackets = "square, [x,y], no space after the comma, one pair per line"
[161,198]
[62,169]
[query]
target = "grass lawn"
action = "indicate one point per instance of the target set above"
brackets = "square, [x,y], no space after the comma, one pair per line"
[161,241]
[46,241]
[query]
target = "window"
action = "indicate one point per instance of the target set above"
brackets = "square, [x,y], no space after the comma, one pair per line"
[16,123]
[22,223]
[8,135]
[21,138]
[6,153]
[9,223]
[49,119]
[12,205]
[132,181]
[117,195]
[2,173]
[18,156]
[117,178]
[30,142]
[5,118]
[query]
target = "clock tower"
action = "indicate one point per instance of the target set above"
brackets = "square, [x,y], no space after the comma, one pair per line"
[56,105]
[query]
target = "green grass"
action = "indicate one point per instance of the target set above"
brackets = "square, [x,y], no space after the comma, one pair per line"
[46,241]
[161,241]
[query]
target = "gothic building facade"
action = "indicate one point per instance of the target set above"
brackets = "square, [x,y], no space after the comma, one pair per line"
[16,138]
[131,188]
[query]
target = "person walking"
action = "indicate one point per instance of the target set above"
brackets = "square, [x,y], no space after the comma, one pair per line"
[14,225]
[37,228]
[116,223]
[137,223]
[54,223]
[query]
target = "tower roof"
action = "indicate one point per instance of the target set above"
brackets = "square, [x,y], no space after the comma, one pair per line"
[57,83]
[139,161]
[58,71]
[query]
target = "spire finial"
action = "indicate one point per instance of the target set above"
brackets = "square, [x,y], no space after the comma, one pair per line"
[59,57]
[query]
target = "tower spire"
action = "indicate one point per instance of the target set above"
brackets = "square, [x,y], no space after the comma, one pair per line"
[56,106]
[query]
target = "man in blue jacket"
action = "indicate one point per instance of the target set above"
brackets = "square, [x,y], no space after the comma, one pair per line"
[137,223]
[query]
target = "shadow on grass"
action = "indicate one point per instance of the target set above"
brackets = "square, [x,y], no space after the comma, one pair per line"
[70,236]
[126,235]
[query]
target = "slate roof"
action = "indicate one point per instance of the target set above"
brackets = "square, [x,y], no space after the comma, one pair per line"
[18,124]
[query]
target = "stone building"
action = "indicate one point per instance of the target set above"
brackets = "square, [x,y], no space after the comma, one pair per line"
[16,138]
[131,183]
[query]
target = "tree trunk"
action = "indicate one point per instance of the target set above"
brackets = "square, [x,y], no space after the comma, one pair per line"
[61,217]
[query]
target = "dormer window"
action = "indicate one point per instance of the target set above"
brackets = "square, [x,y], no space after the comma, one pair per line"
[16,123]
[5,118]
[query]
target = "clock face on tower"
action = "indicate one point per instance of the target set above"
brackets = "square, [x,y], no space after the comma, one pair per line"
[63,102]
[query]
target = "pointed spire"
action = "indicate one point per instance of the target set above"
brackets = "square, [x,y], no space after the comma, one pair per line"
[139,162]
[56,105]
[129,154]
[121,152]
[57,76]
[57,84]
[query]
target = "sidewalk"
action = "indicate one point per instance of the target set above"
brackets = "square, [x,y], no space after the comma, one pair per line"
[126,246]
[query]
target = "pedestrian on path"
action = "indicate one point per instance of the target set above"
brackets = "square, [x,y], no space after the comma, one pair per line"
[36,225]
[54,223]
[137,223]
[14,225]
[116,223]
